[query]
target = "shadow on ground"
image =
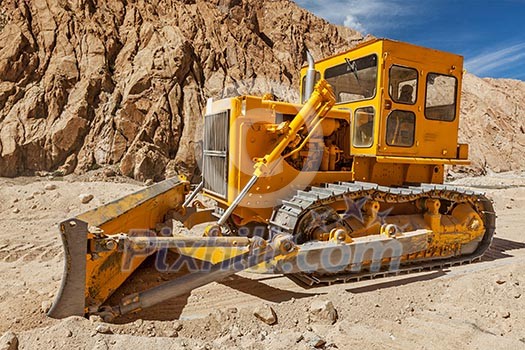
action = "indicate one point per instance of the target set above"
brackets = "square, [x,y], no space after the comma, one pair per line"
[501,248]
[262,290]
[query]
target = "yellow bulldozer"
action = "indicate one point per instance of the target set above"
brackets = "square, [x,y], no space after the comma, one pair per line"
[346,185]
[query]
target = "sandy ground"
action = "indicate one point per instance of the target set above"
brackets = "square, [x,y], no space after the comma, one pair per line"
[478,306]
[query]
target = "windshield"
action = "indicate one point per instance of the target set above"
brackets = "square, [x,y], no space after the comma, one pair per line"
[353,80]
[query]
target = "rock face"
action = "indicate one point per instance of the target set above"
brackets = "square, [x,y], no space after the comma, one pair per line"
[493,123]
[90,83]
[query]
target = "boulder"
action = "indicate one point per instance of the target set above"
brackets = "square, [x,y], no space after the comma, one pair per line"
[266,314]
[9,341]
[323,311]
[85,198]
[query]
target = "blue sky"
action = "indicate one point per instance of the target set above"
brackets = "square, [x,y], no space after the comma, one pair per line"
[489,34]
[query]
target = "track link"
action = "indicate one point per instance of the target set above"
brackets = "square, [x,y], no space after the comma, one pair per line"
[286,217]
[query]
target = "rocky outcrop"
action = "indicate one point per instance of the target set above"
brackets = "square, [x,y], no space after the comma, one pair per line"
[92,83]
[493,123]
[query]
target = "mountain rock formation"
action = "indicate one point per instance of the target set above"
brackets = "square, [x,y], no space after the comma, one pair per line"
[90,83]
[493,123]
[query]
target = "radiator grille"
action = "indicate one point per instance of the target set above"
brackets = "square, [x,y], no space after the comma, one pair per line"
[215,160]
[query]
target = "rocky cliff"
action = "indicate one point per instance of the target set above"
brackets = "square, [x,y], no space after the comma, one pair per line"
[87,83]
[493,123]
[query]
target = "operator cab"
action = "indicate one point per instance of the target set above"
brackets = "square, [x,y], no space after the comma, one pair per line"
[403,99]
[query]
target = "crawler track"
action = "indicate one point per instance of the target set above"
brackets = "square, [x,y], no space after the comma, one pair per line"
[286,218]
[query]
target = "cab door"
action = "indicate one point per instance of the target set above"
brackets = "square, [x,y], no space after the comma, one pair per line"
[401,112]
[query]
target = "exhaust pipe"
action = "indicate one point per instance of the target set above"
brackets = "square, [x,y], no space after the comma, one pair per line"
[310,77]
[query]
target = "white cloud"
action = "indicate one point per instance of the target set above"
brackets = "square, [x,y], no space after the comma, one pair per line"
[496,60]
[365,16]
[351,21]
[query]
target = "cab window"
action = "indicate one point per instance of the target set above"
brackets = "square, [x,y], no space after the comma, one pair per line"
[353,80]
[400,129]
[403,84]
[363,127]
[441,95]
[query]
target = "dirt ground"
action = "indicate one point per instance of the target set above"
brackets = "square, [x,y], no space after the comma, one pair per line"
[478,306]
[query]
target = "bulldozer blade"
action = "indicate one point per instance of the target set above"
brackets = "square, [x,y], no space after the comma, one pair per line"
[90,277]
[70,298]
